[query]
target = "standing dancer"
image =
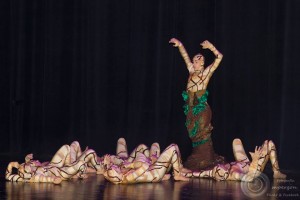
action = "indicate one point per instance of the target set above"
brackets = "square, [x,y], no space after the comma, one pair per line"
[197,111]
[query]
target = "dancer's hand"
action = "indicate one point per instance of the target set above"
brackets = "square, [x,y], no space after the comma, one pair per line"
[257,153]
[206,44]
[107,161]
[175,42]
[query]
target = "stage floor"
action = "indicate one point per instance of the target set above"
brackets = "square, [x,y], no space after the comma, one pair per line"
[96,187]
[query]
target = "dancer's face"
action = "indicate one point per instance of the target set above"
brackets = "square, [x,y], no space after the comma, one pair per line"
[198,62]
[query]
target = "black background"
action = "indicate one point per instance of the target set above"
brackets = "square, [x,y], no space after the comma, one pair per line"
[97,70]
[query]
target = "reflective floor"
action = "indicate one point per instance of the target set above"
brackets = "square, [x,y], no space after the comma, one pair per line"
[96,187]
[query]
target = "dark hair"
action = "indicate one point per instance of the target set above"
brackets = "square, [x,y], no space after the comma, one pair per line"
[199,54]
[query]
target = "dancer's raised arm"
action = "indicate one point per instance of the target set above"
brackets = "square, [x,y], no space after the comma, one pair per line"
[212,67]
[183,52]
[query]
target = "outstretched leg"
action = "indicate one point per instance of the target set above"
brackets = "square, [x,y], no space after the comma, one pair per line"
[78,168]
[238,151]
[198,174]
[170,157]
[154,152]
[121,150]
[61,157]
[274,161]
[41,178]
[261,156]
[89,157]
[221,172]
[75,151]
[140,153]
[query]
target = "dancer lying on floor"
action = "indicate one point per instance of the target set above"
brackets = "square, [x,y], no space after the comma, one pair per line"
[151,154]
[242,169]
[140,153]
[122,155]
[140,168]
[68,162]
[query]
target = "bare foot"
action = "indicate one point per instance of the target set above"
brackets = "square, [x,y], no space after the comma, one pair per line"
[166,177]
[122,148]
[57,180]
[83,176]
[180,178]
[238,151]
[279,175]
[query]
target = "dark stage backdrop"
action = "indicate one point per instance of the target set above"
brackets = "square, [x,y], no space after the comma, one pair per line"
[97,70]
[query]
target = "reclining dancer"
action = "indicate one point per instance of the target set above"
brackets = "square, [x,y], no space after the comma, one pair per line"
[122,154]
[68,155]
[68,162]
[142,169]
[153,153]
[242,169]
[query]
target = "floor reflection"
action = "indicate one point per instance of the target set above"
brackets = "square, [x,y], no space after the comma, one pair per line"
[96,187]
[74,189]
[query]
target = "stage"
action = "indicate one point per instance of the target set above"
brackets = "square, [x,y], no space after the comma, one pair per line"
[95,71]
[96,187]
